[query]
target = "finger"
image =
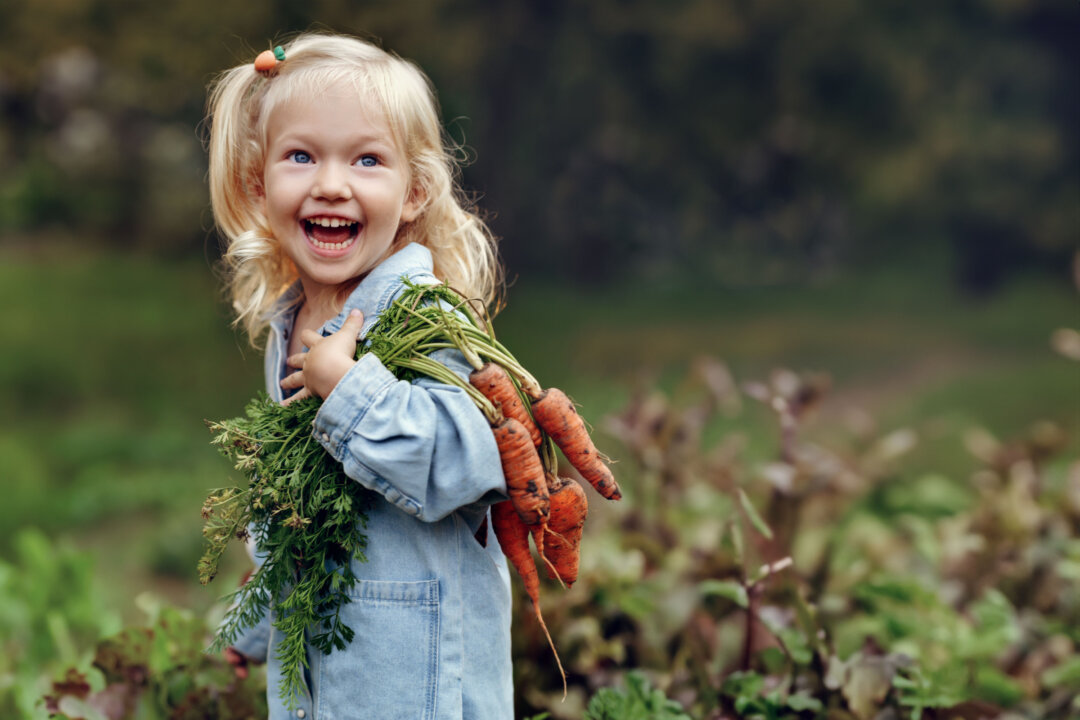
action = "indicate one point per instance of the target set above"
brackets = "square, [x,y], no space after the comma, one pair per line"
[304,393]
[349,334]
[293,381]
[310,338]
[297,360]
[354,322]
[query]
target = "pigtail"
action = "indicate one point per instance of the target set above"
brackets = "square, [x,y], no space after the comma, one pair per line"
[230,149]
[255,268]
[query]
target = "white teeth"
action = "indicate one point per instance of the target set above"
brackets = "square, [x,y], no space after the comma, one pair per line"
[332,246]
[331,222]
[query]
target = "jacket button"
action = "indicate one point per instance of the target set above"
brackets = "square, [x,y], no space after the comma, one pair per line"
[325,437]
[301,714]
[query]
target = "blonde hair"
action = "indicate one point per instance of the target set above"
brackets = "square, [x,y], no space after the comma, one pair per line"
[257,270]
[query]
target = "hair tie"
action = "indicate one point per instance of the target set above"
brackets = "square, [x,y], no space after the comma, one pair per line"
[266,62]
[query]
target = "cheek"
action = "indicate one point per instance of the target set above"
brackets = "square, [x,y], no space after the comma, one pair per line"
[278,200]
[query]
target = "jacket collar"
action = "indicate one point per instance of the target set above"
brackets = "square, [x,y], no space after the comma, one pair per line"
[371,296]
[378,288]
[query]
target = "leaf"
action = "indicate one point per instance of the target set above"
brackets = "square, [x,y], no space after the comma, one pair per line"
[772,660]
[288,474]
[939,689]
[866,684]
[640,701]
[743,683]
[994,686]
[738,543]
[1067,674]
[728,589]
[835,672]
[796,643]
[74,707]
[801,701]
[807,615]
[754,517]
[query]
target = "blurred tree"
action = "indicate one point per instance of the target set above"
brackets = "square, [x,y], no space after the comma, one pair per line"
[744,141]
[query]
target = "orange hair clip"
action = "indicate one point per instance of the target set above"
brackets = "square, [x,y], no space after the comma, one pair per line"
[266,62]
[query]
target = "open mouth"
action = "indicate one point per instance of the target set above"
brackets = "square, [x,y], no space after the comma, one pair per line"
[331,233]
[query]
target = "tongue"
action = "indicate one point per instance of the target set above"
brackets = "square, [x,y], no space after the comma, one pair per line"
[329,234]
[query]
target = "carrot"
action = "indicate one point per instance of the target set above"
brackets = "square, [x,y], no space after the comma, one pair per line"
[523,470]
[524,474]
[513,537]
[556,416]
[491,380]
[562,548]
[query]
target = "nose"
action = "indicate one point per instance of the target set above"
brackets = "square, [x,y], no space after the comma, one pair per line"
[331,183]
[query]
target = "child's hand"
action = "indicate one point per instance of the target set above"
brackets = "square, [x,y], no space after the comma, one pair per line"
[321,368]
[238,662]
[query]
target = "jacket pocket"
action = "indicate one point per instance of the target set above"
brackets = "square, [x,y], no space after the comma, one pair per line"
[390,669]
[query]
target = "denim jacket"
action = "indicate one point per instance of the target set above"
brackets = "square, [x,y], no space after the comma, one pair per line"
[431,610]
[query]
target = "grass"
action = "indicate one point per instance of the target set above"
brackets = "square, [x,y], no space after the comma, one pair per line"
[903,346]
[114,360]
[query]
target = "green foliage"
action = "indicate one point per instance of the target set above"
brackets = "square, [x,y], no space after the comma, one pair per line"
[790,589]
[639,701]
[158,670]
[52,609]
[306,516]
[751,700]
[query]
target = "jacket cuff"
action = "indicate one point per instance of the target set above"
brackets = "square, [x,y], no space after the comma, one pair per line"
[254,643]
[344,409]
[350,400]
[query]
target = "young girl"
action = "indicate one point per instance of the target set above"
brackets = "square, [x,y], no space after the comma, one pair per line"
[330,181]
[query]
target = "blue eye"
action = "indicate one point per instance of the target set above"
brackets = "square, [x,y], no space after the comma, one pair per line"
[369,161]
[299,156]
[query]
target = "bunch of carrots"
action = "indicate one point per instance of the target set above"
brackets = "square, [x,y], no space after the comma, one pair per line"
[528,423]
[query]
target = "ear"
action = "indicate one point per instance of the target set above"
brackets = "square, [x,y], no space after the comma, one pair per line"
[259,191]
[414,203]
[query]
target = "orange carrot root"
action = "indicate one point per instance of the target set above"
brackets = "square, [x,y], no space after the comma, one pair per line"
[562,549]
[556,416]
[493,382]
[513,537]
[525,483]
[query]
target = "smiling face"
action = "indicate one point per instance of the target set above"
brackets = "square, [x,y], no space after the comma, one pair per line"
[335,187]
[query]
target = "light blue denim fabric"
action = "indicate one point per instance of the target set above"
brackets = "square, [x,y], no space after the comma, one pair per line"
[432,608]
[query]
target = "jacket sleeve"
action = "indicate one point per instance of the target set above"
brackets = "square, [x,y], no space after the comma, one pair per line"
[423,445]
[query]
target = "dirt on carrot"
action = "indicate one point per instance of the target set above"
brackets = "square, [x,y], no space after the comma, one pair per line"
[524,474]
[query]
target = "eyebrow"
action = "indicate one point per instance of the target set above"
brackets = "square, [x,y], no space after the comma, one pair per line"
[315,139]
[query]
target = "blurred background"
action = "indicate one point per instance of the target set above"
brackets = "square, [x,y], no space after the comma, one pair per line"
[862,214]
